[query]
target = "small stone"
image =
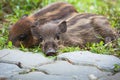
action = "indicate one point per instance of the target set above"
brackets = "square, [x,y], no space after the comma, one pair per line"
[92,77]
[75,77]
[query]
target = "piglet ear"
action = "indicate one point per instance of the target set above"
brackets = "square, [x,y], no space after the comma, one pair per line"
[35,29]
[24,16]
[34,24]
[35,32]
[63,27]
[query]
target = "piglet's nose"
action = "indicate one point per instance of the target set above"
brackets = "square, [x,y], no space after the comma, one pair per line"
[51,52]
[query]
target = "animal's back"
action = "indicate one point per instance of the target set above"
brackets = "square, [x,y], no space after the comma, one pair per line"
[55,12]
[20,32]
[90,28]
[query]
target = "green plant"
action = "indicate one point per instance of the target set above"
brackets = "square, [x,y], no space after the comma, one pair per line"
[69,49]
[3,36]
[100,48]
[116,67]
[10,44]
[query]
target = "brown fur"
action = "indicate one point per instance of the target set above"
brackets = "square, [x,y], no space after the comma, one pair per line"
[21,29]
[76,31]
[3,78]
[90,28]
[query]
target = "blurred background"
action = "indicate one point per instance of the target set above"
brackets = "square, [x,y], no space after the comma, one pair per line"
[16,8]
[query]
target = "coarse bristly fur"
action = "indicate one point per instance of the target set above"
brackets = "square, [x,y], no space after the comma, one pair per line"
[20,32]
[3,78]
[75,31]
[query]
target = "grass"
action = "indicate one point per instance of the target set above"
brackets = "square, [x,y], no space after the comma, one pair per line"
[101,48]
[16,8]
[69,49]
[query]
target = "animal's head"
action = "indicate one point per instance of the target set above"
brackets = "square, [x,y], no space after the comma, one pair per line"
[49,36]
[20,32]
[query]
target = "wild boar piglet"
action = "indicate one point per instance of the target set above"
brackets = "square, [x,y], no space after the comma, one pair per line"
[76,31]
[20,33]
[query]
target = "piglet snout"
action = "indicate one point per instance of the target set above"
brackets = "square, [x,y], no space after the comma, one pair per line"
[51,52]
